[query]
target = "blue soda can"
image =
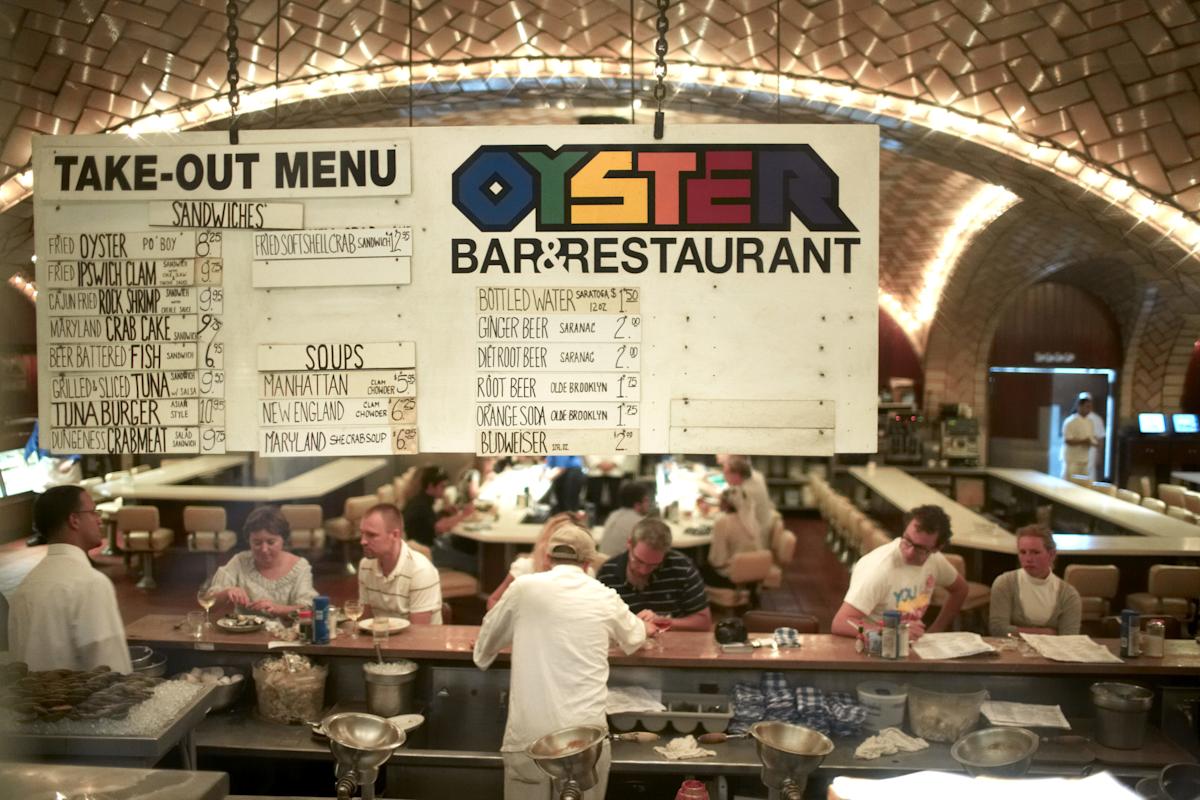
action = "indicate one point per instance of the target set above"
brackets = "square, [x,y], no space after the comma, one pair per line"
[321,619]
[1130,624]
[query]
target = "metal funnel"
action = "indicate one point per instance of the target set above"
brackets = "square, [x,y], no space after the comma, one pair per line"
[788,754]
[569,756]
[360,743]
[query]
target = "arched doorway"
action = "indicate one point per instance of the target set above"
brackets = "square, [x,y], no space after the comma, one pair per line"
[1053,342]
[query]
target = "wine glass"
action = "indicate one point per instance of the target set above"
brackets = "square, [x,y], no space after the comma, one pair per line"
[353,609]
[207,598]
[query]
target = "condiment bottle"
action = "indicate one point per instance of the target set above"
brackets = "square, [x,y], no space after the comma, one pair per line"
[306,625]
[1129,633]
[1154,639]
[890,643]
[320,620]
[692,789]
[905,634]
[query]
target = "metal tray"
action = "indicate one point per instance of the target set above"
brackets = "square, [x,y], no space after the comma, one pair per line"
[120,749]
[685,713]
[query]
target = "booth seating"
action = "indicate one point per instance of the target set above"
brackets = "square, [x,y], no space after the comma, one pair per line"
[747,570]
[979,595]
[344,529]
[1172,495]
[454,583]
[206,534]
[1172,591]
[307,534]
[1097,586]
[139,534]
[758,621]
[1154,505]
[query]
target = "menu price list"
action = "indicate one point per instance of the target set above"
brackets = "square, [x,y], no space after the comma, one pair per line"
[558,370]
[337,399]
[134,321]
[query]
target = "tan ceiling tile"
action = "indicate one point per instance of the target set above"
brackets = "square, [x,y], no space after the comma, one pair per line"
[1147,171]
[92,121]
[984,79]
[1076,68]
[308,16]
[962,31]
[291,56]
[1048,124]
[1108,92]
[1089,122]
[1128,62]
[1149,34]
[51,72]
[123,55]
[1062,19]
[115,104]
[397,30]
[17,147]
[1029,73]
[49,124]
[878,19]
[183,19]
[257,12]
[1185,111]
[941,86]
[28,48]
[1013,100]
[916,40]
[202,43]
[142,83]
[1121,149]
[95,77]
[1189,199]
[186,89]
[150,36]
[925,14]
[983,104]
[1175,60]
[1194,146]
[135,12]
[1159,87]
[354,25]
[1169,145]
[55,26]
[1108,13]
[989,55]
[1173,13]
[83,11]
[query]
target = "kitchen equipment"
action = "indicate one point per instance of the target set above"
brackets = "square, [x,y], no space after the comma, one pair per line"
[789,753]
[1122,710]
[224,694]
[685,712]
[360,743]
[1179,782]
[884,702]
[569,757]
[390,687]
[140,655]
[997,752]
[289,689]
[719,738]
[943,716]
[155,667]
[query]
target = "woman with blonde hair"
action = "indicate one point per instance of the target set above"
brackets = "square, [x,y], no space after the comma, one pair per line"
[536,561]
[1033,599]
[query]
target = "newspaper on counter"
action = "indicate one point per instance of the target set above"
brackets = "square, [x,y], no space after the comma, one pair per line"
[1078,649]
[1024,715]
[938,646]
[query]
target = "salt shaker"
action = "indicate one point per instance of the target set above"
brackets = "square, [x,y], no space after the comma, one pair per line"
[1154,638]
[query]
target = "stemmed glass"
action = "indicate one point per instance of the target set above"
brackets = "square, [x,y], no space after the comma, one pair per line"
[353,610]
[207,598]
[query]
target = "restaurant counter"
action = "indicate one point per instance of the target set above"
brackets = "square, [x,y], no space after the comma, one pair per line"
[465,708]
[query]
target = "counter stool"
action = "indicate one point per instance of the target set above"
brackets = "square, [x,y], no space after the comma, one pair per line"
[1129,496]
[759,621]
[1181,514]
[1172,494]
[454,583]
[344,529]
[307,534]
[1191,501]
[386,493]
[979,595]
[1105,488]
[1081,480]
[138,535]
[1171,591]
[1154,505]
[206,534]
[746,570]
[877,538]
[1097,586]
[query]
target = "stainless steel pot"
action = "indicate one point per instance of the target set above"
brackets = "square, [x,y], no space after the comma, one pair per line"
[389,694]
[1122,711]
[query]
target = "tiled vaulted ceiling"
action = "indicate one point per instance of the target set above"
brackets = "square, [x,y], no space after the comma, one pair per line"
[1115,82]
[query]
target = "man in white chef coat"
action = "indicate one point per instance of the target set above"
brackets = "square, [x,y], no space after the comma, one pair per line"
[1083,440]
[559,623]
[64,615]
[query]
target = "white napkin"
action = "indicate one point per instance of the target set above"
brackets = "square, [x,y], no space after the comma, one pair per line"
[684,747]
[629,699]
[889,741]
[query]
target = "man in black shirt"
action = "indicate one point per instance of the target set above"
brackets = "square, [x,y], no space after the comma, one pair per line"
[657,583]
[423,524]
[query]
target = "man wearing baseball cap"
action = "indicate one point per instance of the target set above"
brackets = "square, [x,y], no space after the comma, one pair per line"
[560,624]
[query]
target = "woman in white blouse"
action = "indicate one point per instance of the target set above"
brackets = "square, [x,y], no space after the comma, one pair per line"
[266,578]
[1033,599]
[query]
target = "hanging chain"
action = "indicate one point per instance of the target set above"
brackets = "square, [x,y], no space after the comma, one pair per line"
[660,66]
[231,54]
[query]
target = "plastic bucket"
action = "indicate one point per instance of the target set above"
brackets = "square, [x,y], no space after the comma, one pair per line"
[884,702]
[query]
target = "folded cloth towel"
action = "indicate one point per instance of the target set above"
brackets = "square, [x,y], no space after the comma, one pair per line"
[787,637]
[684,747]
[846,714]
[889,741]
[810,709]
[748,707]
[627,699]
[777,697]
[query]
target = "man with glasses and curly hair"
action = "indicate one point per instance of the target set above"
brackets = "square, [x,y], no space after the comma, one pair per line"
[64,615]
[901,576]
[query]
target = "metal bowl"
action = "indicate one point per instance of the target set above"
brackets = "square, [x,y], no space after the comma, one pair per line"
[998,752]
[156,667]
[140,655]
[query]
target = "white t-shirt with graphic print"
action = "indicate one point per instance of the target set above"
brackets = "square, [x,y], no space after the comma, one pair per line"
[882,581]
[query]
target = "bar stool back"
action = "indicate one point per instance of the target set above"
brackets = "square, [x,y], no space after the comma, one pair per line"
[344,529]
[1096,584]
[307,534]
[1171,591]
[139,534]
[206,534]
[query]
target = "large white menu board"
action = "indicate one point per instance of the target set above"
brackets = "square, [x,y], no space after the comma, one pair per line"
[558,290]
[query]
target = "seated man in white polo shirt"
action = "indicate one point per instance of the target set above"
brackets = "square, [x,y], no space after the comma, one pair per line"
[394,579]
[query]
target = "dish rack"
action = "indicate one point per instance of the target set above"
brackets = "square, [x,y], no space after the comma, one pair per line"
[685,713]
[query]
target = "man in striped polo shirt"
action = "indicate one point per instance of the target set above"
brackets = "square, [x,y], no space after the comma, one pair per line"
[657,583]
[394,579]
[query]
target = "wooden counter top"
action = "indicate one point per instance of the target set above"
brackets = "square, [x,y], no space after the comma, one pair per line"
[680,649]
